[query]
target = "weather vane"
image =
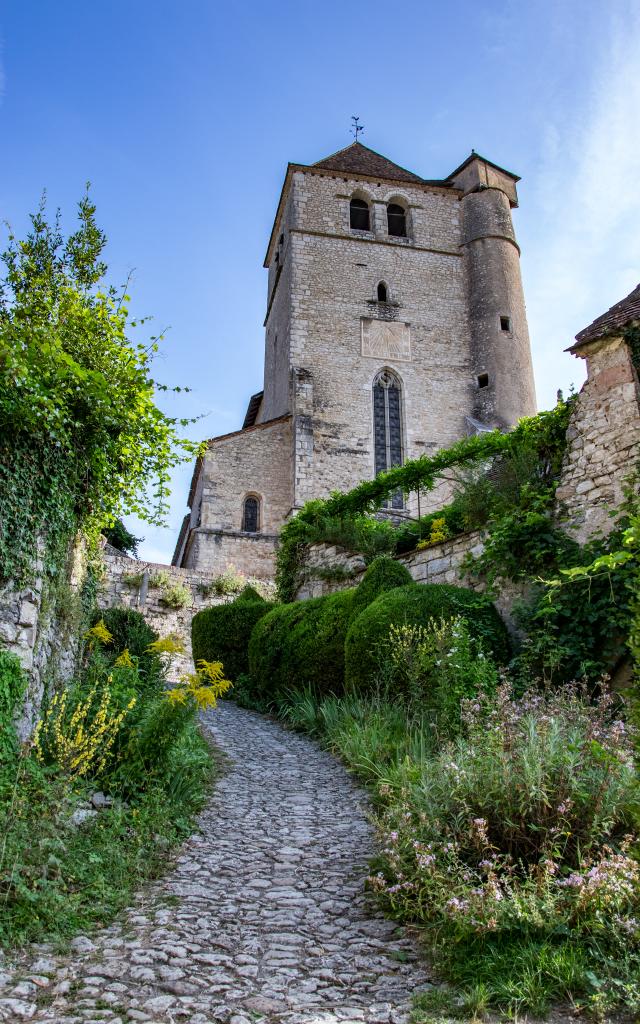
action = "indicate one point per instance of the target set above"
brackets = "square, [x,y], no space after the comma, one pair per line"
[356,128]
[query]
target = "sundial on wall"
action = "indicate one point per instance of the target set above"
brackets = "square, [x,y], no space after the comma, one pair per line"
[384,339]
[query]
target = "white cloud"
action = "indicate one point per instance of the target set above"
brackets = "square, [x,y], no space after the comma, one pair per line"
[586,250]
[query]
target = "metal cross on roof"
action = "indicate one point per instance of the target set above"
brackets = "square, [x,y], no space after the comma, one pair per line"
[356,128]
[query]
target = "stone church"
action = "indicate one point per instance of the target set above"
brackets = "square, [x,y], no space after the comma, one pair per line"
[395,324]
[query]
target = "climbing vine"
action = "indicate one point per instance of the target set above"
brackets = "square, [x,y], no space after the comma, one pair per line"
[83,440]
[512,474]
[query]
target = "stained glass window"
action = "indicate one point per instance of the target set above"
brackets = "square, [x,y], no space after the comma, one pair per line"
[387,426]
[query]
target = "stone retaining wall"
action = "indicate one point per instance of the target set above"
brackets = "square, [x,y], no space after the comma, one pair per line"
[38,623]
[132,583]
[330,568]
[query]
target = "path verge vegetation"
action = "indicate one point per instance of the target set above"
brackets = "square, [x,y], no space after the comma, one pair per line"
[109,786]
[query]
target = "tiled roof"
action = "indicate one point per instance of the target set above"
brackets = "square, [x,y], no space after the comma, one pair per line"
[618,316]
[359,159]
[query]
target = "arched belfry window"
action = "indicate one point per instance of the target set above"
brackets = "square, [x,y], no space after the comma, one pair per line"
[251,514]
[382,292]
[359,215]
[396,220]
[387,425]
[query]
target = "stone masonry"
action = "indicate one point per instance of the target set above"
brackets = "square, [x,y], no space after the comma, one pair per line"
[604,434]
[438,308]
[38,627]
[131,583]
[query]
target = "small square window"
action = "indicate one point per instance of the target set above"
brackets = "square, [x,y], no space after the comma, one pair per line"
[505,323]
[483,380]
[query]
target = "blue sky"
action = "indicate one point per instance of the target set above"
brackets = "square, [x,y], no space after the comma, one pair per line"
[184,115]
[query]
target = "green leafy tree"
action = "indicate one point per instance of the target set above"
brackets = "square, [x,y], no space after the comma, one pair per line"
[121,538]
[82,441]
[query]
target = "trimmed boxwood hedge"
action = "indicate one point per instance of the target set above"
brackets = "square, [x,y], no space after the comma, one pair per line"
[221,633]
[383,574]
[301,644]
[415,605]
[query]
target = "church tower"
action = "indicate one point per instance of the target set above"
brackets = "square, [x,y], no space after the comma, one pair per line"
[395,324]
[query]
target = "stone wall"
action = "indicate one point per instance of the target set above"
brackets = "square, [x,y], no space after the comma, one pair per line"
[132,583]
[603,439]
[329,568]
[256,462]
[39,624]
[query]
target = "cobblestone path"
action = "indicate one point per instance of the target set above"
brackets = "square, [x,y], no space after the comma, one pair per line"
[263,917]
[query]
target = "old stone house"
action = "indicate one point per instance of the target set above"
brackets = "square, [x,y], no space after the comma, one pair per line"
[395,324]
[604,433]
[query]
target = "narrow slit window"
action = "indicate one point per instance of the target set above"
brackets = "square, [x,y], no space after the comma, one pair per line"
[483,380]
[505,323]
[387,427]
[250,515]
[396,220]
[382,292]
[359,215]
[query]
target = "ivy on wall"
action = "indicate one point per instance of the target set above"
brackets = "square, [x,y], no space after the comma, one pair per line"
[82,439]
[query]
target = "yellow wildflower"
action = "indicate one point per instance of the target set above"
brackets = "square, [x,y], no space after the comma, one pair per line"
[171,644]
[99,633]
[124,660]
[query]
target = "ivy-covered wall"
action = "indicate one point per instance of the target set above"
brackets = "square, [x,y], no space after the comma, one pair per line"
[602,450]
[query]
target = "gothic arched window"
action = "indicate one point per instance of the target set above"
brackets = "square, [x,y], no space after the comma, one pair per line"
[359,215]
[396,220]
[382,292]
[387,425]
[251,515]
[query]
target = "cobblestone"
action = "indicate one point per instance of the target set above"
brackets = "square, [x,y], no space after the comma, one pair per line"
[263,917]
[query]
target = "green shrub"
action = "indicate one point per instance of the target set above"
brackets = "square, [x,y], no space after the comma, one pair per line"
[222,633]
[415,605]
[301,644]
[433,668]
[516,841]
[176,596]
[119,537]
[12,686]
[249,594]
[131,632]
[383,574]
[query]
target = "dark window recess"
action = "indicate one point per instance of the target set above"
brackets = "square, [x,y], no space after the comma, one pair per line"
[382,292]
[505,323]
[483,380]
[387,428]
[396,220]
[250,515]
[359,215]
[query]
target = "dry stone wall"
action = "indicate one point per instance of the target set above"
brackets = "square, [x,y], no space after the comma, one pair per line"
[144,586]
[38,623]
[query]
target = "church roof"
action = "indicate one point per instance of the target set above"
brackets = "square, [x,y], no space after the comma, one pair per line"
[359,159]
[623,313]
[253,409]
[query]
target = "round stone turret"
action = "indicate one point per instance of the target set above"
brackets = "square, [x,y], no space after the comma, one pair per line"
[505,389]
